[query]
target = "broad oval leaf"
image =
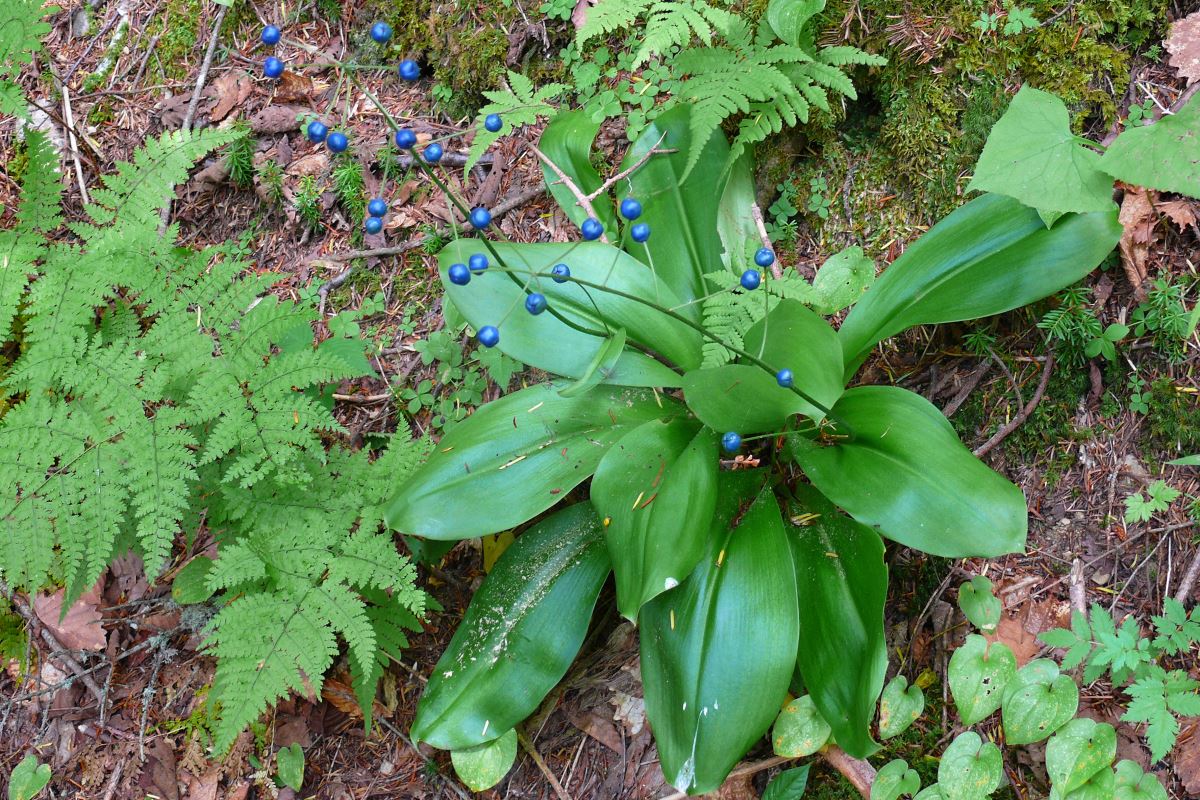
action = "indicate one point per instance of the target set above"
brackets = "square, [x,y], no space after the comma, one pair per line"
[717,651]
[978,674]
[904,472]
[494,297]
[657,488]
[567,141]
[483,766]
[603,363]
[792,336]
[799,730]
[519,635]
[740,397]
[788,785]
[1079,750]
[899,707]
[894,779]
[1037,702]
[681,211]
[514,458]
[991,255]
[841,587]
[788,18]
[971,768]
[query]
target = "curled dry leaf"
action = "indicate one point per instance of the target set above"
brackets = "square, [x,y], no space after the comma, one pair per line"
[293,87]
[231,90]
[276,119]
[1138,219]
[1183,43]
[1183,212]
[1187,760]
[80,629]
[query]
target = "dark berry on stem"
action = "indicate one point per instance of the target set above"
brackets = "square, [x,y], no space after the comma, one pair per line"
[377,207]
[270,35]
[480,218]
[640,232]
[630,208]
[751,279]
[459,274]
[337,141]
[433,152]
[560,272]
[489,336]
[764,257]
[405,139]
[785,378]
[535,303]
[493,122]
[592,229]
[272,67]
[478,262]
[316,131]
[373,225]
[410,70]
[381,32]
[731,442]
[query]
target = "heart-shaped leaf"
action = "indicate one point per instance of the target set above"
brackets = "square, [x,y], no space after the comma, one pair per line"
[841,584]
[1079,750]
[799,730]
[899,707]
[497,297]
[841,280]
[1134,784]
[981,607]
[567,141]
[1037,702]
[971,768]
[514,458]
[28,779]
[657,487]
[290,761]
[521,631]
[1101,786]
[483,766]
[901,469]
[894,779]
[978,675]
[1163,156]
[717,652]
[788,785]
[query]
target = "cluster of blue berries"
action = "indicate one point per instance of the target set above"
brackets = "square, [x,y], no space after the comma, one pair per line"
[376,209]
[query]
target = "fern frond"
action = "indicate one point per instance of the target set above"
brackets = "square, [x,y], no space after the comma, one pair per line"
[21,33]
[608,16]
[392,621]
[844,56]
[673,23]
[519,104]
[41,186]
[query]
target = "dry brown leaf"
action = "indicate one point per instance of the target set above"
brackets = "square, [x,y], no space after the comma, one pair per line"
[172,110]
[80,629]
[276,119]
[311,164]
[1182,211]
[1019,631]
[292,87]
[1137,218]
[737,787]
[1183,43]
[596,726]
[1187,759]
[339,695]
[158,776]
[231,89]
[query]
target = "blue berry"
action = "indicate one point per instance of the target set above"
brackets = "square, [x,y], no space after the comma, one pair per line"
[381,32]
[731,442]
[410,70]
[640,232]
[478,262]
[373,225]
[592,229]
[480,218]
[272,67]
[377,207]
[751,279]
[433,153]
[270,35]
[337,141]
[560,272]
[459,274]
[764,257]
[535,303]
[630,208]
[493,122]
[489,336]
[405,139]
[316,131]
[784,378]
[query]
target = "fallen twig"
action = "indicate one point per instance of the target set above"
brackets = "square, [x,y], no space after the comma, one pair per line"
[581,199]
[559,791]
[1016,421]
[625,173]
[756,213]
[1189,579]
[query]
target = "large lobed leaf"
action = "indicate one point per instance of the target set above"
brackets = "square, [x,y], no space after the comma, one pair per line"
[1163,156]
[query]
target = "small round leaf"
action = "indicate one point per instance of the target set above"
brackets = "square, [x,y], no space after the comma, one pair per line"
[1037,702]
[800,730]
[1134,784]
[894,779]
[899,707]
[981,607]
[978,675]
[970,768]
[1079,750]
[485,765]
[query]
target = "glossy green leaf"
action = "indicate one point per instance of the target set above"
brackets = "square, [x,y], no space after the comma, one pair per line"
[717,651]
[191,583]
[841,586]
[981,607]
[904,472]
[788,785]
[899,707]
[544,341]
[841,280]
[1163,156]
[971,768]
[567,141]
[682,212]
[28,779]
[978,675]
[1079,750]
[514,458]
[991,255]
[1133,783]
[602,364]
[791,336]
[735,223]
[483,766]
[1032,155]
[788,18]
[799,730]
[740,397]
[657,487]
[290,761]
[894,779]
[520,633]
[1037,702]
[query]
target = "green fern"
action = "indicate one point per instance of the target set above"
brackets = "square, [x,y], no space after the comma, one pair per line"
[728,315]
[673,23]
[608,16]
[21,32]
[520,103]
